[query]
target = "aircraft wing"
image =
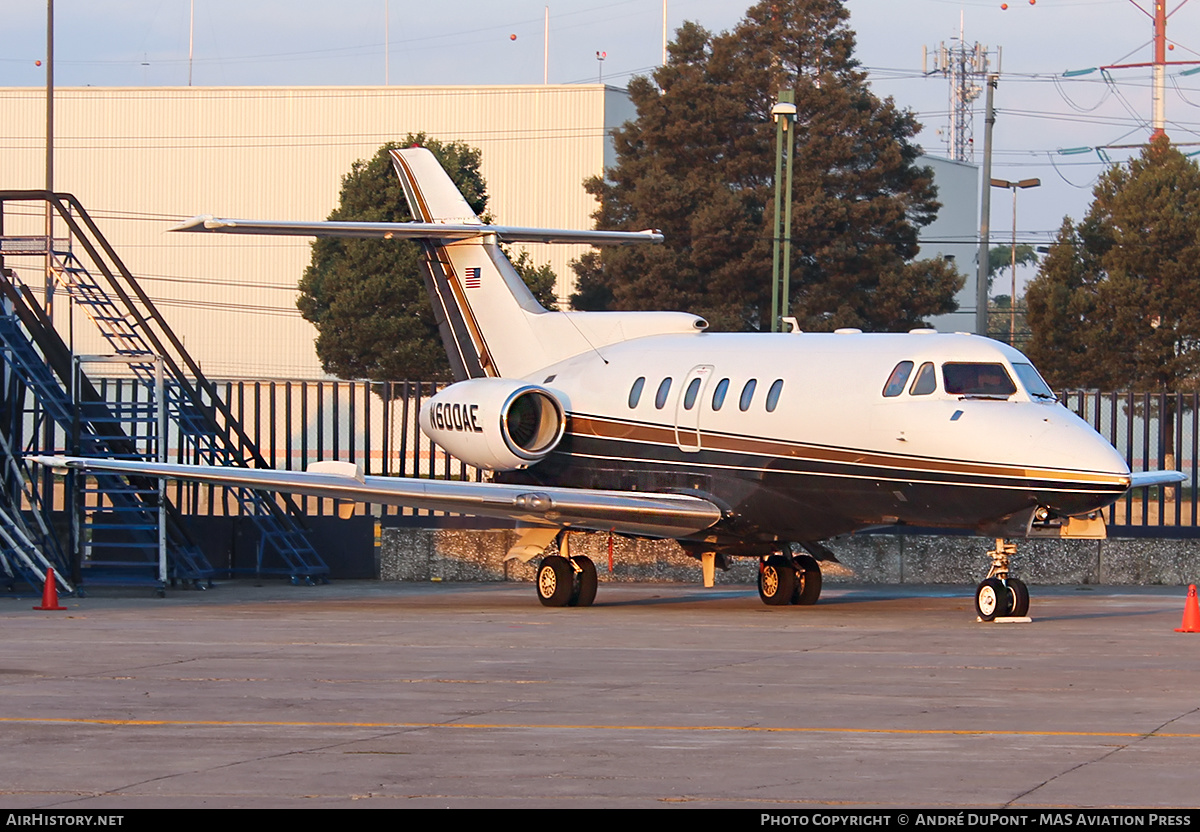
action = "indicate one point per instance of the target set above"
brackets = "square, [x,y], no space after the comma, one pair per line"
[1146,479]
[644,514]
[415,231]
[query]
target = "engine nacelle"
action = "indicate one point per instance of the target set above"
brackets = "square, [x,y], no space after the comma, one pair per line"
[495,423]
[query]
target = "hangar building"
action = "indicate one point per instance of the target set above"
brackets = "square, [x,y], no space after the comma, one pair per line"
[144,159]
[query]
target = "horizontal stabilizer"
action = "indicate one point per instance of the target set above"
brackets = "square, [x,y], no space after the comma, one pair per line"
[642,514]
[1148,479]
[433,231]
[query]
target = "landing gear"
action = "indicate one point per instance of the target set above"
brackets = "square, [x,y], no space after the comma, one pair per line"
[555,580]
[586,582]
[1020,598]
[808,580]
[992,599]
[999,595]
[783,580]
[776,581]
[567,582]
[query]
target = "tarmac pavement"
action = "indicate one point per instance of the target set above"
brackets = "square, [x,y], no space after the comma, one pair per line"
[667,695]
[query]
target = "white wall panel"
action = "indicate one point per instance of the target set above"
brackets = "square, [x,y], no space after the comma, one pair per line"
[142,159]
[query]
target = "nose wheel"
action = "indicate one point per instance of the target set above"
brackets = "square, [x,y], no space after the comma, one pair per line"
[1001,595]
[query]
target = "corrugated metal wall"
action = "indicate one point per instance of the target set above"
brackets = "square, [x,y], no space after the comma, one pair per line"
[140,160]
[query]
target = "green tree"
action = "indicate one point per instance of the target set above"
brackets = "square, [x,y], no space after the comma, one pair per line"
[367,298]
[1000,259]
[698,163]
[1116,303]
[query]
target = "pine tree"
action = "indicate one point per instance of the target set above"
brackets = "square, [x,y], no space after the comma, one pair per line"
[698,163]
[1116,303]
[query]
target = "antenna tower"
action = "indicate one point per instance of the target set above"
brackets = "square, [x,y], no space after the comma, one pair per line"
[965,66]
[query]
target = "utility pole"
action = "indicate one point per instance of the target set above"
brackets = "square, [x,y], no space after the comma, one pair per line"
[1158,117]
[48,285]
[985,214]
[784,114]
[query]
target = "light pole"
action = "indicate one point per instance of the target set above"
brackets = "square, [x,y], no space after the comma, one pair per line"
[1012,303]
[784,115]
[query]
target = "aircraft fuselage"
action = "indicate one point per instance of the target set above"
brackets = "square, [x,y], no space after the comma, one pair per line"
[793,435]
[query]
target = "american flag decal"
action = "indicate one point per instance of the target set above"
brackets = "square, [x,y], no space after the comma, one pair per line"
[472,278]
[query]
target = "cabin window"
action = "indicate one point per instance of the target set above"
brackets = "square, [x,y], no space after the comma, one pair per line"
[719,393]
[689,397]
[926,381]
[773,395]
[978,380]
[1035,385]
[635,392]
[747,394]
[897,380]
[660,398]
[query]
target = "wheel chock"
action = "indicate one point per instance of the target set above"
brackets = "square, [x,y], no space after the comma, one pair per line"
[1191,613]
[50,593]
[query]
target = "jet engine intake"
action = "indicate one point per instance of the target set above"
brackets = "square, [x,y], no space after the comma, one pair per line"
[495,423]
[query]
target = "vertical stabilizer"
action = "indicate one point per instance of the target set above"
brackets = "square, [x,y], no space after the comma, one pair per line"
[490,323]
[476,293]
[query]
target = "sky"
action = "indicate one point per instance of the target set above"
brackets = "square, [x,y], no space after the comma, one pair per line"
[471,42]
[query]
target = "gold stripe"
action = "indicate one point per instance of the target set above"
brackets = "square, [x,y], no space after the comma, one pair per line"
[606,428]
[527,726]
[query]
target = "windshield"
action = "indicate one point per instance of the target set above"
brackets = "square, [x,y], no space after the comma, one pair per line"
[1033,382]
[978,380]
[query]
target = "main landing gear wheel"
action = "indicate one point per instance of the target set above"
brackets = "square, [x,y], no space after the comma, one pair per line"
[567,582]
[776,581]
[992,599]
[808,580]
[555,581]
[585,582]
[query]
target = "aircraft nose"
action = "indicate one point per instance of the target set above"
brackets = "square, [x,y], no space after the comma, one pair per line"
[1084,458]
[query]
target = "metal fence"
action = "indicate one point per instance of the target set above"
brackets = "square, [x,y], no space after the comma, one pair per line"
[1152,431]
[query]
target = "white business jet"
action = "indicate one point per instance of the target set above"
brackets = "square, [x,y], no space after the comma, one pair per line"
[643,424]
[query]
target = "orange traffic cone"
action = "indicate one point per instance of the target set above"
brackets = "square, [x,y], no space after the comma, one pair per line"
[50,593]
[1191,613]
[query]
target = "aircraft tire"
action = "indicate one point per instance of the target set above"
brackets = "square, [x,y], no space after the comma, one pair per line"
[1019,594]
[555,581]
[992,599]
[776,581]
[808,580]
[586,582]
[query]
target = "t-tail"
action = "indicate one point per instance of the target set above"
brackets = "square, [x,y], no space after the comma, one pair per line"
[490,322]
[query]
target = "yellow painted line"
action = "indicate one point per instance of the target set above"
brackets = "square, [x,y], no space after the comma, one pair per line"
[497,726]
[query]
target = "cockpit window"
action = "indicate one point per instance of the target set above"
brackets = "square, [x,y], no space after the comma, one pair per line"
[1034,384]
[897,380]
[926,381]
[978,380]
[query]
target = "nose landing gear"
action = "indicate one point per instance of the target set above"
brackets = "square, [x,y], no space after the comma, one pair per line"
[1000,595]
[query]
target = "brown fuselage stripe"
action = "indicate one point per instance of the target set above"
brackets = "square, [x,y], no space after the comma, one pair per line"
[604,428]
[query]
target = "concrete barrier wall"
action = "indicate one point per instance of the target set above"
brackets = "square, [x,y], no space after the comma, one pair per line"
[478,555]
